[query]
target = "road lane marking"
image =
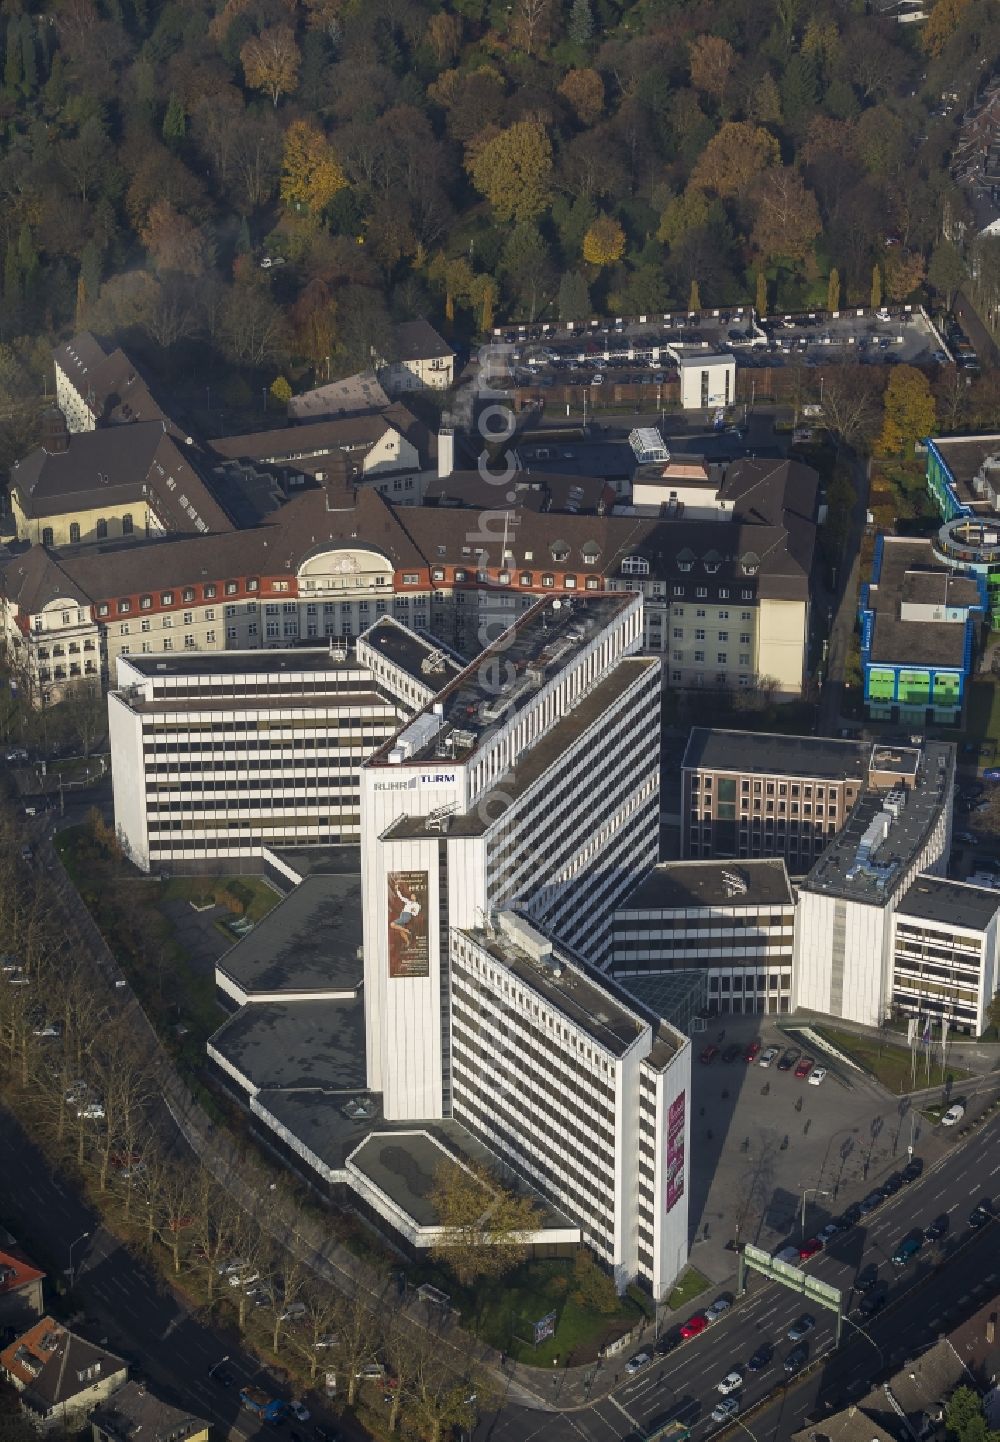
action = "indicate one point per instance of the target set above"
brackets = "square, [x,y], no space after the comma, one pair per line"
[627,1415]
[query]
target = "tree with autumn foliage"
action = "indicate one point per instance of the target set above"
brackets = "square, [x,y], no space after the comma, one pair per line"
[174,242]
[941,24]
[909,412]
[604,242]
[513,170]
[787,219]
[712,60]
[734,157]
[583,90]
[904,272]
[310,172]
[271,62]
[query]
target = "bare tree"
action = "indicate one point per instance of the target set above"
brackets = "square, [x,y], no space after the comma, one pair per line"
[323,1309]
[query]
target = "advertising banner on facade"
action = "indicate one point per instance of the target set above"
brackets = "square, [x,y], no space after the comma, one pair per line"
[675,1151]
[409,954]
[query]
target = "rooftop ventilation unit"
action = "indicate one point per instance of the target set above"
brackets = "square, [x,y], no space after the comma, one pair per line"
[433,663]
[360,1108]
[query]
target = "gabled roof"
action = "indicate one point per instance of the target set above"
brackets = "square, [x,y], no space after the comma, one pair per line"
[418,340]
[52,1365]
[131,1410]
[17,1272]
[351,396]
[34,578]
[347,434]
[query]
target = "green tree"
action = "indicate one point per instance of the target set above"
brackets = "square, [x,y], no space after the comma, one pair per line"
[694,297]
[964,1416]
[281,391]
[243,242]
[513,170]
[174,122]
[947,271]
[908,411]
[29,57]
[685,213]
[592,1288]
[13,71]
[581,23]
[798,92]
[993,1012]
[833,291]
[574,297]
[876,288]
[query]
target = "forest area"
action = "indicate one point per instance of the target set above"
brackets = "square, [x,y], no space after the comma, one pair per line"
[473,161]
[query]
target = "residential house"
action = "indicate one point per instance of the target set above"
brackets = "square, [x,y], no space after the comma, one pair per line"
[422,360]
[20,1286]
[59,1375]
[134,1414]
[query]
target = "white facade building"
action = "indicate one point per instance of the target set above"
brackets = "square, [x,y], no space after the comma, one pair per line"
[560,1072]
[736,921]
[944,947]
[532,779]
[846,905]
[707,380]
[219,756]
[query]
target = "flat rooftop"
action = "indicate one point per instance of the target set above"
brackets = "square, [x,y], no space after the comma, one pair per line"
[964,456]
[323,1119]
[769,753]
[534,763]
[683,885]
[587,998]
[332,695]
[838,871]
[322,860]
[932,898]
[411,653]
[537,646]
[290,1046]
[403,1165]
[237,663]
[309,942]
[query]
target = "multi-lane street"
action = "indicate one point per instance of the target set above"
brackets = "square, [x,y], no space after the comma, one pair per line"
[942,1284]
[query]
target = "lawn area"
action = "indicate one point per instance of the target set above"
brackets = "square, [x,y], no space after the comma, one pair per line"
[890,1064]
[502,1313]
[982,716]
[691,1285]
[175,988]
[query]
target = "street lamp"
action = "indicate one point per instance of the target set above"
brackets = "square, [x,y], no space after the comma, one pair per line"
[69,1270]
[817,1191]
[216,1365]
[867,1336]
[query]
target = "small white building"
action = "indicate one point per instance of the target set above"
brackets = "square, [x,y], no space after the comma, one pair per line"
[707,381]
[423,360]
[944,945]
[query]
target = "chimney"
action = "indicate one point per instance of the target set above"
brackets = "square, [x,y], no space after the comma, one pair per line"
[55,432]
[446,452]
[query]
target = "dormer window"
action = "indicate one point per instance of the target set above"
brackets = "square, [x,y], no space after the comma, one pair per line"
[750,563]
[685,559]
[591,554]
[712,562]
[635,566]
[559,551]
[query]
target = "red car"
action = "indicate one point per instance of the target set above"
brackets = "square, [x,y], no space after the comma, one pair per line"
[694,1326]
[709,1054]
[810,1248]
[752,1052]
[804,1067]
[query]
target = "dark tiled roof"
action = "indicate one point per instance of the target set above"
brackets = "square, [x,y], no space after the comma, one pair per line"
[418,340]
[132,1409]
[52,1364]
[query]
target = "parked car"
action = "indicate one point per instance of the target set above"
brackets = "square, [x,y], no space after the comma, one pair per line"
[731,1382]
[817,1076]
[873,1304]
[785,1254]
[694,1326]
[938,1228]
[867,1278]
[292,1313]
[982,1214]
[299,1411]
[873,1200]
[768,1056]
[801,1328]
[810,1248]
[91,1112]
[728,1407]
[636,1363]
[753,1051]
[849,1217]
[826,1234]
[669,1341]
[913,1169]
[892,1184]
[965,838]
[788,1058]
[804,1067]
[718,1309]
[953,1115]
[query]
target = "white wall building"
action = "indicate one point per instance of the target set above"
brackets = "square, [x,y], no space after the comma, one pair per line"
[844,928]
[945,941]
[219,756]
[707,380]
[734,920]
[532,779]
[559,1071]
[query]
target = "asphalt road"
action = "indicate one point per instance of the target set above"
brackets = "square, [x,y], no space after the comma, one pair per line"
[124,1300]
[946,1282]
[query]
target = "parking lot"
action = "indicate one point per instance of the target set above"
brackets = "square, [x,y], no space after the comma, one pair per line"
[644,351]
[761,1137]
